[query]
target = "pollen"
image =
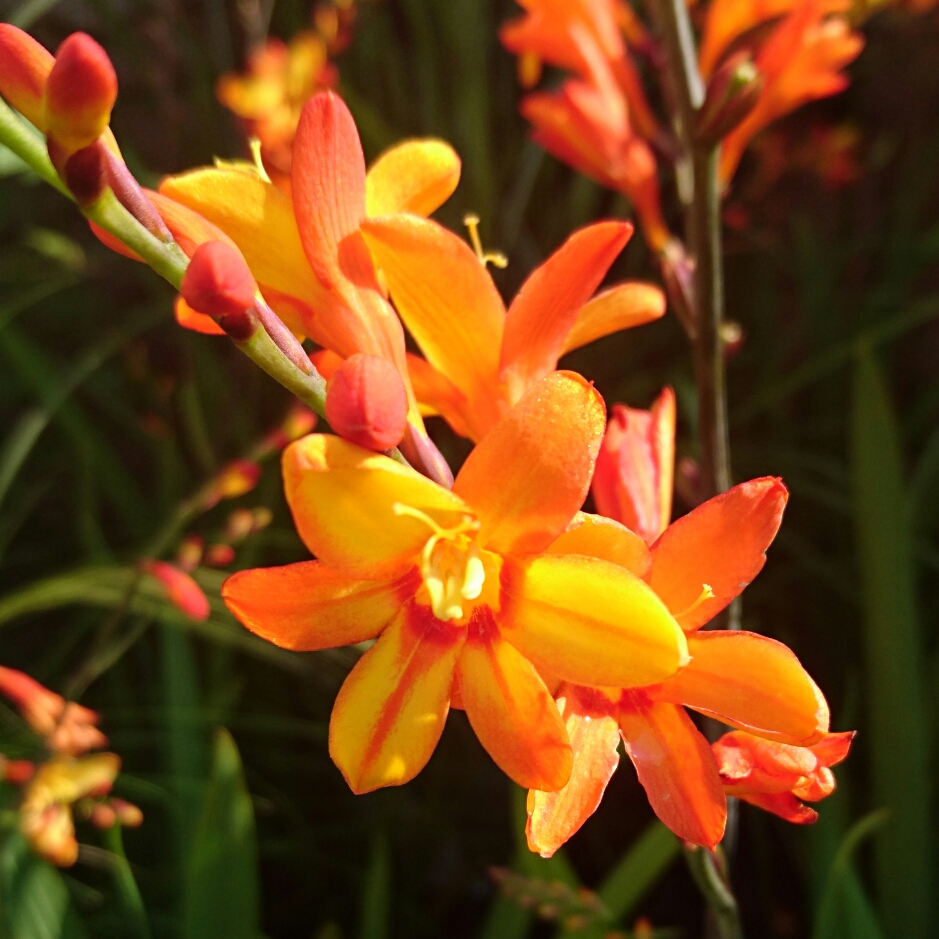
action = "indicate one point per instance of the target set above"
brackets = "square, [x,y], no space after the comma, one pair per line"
[451,563]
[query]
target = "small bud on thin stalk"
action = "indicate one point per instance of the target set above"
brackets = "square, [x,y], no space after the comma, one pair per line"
[731,95]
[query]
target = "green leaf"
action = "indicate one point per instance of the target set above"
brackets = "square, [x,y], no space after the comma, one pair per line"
[376,898]
[222,882]
[894,651]
[38,901]
[844,912]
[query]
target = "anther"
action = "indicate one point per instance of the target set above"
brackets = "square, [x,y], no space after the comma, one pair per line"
[495,258]
[707,593]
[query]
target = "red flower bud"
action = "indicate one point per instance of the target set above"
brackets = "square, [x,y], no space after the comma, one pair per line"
[80,92]
[219,284]
[24,68]
[84,172]
[128,814]
[731,95]
[219,555]
[366,402]
[181,590]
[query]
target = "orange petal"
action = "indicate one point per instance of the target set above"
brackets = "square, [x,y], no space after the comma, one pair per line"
[188,318]
[328,180]
[597,536]
[343,497]
[589,622]
[436,394]
[721,544]
[620,307]
[449,303]
[783,804]
[553,817]
[530,474]
[510,709]
[416,176]
[309,606]
[545,309]
[390,711]
[676,768]
[832,749]
[750,682]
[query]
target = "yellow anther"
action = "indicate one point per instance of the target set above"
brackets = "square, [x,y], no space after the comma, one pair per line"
[707,593]
[495,258]
[255,146]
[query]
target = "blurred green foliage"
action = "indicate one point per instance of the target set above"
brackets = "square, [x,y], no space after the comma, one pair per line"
[112,416]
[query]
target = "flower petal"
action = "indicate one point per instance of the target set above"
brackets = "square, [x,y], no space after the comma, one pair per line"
[676,768]
[783,804]
[530,474]
[416,176]
[597,536]
[553,817]
[189,318]
[750,682]
[589,622]
[545,309]
[390,711]
[308,606]
[620,307]
[510,709]
[721,544]
[436,394]
[342,498]
[449,303]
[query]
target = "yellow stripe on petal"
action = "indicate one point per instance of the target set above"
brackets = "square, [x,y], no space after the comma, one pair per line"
[750,682]
[391,710]
[590,622]
[597,536]
[620,307]
[415,176]
[510,709]
[343,502]
[309,606]
[530,474]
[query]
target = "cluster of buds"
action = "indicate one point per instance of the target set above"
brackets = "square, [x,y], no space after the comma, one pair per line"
[70,781]
[574,908]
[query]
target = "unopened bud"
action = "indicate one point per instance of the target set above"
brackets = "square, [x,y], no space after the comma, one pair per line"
[102,815]
[219,284]
[261,517]
[80,93]
[128,814]
[84,172]
[366,402]
[189,553]
[731,95]
[219,555]
[678,275]
[237,478]
[24,69]
[240,524]
[181,590]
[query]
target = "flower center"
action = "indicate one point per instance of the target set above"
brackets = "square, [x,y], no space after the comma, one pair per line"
[451,563]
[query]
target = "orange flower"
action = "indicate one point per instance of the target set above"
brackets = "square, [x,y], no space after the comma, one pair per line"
[308,249]
[278,81]
[480,359]
[66,728]
[633,480]
[775,776]
[600,122]
[801,60]
[698,565]
[468,592]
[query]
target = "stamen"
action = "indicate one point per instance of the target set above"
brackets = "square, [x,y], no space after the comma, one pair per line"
[706,594]
[255,146]
[495,258]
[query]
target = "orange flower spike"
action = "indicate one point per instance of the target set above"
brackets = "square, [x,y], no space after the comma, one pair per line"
[775,777]
[635,468]
[442,579]
[73,732]
[801,61]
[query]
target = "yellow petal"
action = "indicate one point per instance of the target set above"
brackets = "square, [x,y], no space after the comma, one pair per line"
[391,710]
[510,709]
[620,307]
[343,497]
[416,176]
[308,606]
[590,622]
[597,536]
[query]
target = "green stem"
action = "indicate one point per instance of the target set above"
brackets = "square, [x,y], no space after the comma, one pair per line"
[125,883]
[29,146]
[706,870]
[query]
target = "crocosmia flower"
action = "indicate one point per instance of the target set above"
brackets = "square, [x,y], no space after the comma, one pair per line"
[472,594]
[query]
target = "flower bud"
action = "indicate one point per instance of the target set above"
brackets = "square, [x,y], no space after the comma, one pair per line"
[102,815]
[219,555]
[128,814]
[84,172]
[235,479]
[24,69]
[366,402]
[189,553]
[16,772]
[240,524]
[80,92]
[219,284]
[181,590]
[731,95]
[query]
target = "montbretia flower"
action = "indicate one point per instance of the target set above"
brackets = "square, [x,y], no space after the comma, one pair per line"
[481,359]
[66,728]
[635,469]
[470,592]
[307,248]
[696,568]
[778,777]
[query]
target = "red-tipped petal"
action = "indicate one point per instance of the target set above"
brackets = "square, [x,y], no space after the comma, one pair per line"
[366,402]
